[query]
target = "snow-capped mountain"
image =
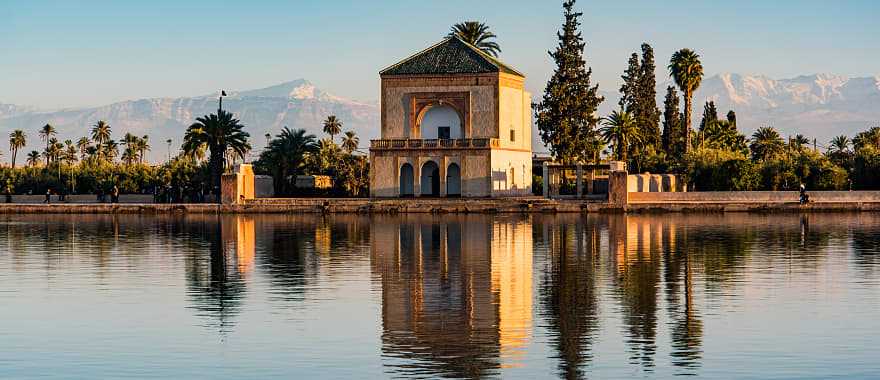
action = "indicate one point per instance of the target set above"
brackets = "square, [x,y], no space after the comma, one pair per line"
[820,106]
[296,104]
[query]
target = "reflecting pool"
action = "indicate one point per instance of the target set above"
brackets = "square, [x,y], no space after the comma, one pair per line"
[515,296]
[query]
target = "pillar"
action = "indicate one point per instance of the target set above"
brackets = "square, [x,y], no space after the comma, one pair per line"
[617,188]
[237,187]
[545,180]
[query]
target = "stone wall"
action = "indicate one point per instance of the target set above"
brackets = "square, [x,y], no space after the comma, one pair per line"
[511,173]
[79,198]
[654,183]
[754,196]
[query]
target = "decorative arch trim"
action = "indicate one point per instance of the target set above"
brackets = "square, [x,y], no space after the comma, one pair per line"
[421,102]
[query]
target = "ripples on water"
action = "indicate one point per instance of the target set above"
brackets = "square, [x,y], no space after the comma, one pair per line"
[612,296]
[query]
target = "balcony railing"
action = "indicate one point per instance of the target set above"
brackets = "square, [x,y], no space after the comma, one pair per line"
[477,143]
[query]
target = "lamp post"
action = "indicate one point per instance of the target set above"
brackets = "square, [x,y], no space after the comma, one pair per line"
[220,106]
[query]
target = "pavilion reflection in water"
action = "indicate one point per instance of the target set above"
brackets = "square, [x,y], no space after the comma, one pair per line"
[462,295]
[456,293]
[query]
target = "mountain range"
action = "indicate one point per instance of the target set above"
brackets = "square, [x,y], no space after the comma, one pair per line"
[296,104]
[820,106]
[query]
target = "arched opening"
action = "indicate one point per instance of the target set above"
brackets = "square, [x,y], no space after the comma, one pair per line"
[453,181]
[430,180]
[406,180]
[440,122]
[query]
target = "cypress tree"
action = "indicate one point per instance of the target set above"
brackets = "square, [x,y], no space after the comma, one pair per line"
[647,114]
[566,116]
[671,122]
[731,117]
[710,114]
[629,88]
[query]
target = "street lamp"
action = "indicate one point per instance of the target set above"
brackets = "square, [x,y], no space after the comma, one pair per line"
[220,107]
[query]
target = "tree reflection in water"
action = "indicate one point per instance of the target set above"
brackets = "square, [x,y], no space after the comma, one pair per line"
[568,293]
[215,283]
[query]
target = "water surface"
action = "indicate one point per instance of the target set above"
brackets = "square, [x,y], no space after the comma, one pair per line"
[518,296]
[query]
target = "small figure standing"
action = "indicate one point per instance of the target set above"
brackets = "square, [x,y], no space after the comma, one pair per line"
[48,196]
[114,195]
[804,197]
[8,192]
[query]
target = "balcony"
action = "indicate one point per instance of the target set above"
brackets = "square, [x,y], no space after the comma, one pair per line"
[402,144]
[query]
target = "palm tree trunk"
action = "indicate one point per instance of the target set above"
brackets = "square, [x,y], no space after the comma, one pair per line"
[687,121]
[216,164]
[14,152]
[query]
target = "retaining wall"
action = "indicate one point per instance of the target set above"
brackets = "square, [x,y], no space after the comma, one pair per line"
[754,197]
[79,198]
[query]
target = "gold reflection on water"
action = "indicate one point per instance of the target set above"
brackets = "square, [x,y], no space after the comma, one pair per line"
[456,293]
[512,282]
[239,235]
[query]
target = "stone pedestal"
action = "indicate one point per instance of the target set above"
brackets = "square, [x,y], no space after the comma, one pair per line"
[238,186]
[617,188]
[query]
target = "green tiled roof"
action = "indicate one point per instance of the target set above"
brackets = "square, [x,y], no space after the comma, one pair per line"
[450,56]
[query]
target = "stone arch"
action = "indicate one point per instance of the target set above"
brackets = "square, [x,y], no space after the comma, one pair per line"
[453,180]
[421,103]
[430,180]
[442,121]
[406,180]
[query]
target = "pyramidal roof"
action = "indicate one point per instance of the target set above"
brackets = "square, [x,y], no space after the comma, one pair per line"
[450,56]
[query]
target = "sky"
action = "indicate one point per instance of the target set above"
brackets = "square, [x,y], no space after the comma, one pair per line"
[73,53]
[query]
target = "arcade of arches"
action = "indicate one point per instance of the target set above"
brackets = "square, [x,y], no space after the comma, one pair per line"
[431,183]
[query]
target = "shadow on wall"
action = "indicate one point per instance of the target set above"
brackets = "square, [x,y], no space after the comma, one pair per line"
[505,184]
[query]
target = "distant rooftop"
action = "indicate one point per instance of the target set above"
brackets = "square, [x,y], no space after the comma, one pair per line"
[450,56]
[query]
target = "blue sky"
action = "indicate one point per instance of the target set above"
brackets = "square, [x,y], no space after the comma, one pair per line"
[76,53]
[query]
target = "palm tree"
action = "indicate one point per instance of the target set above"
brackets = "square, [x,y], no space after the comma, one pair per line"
[350,142]
[109,150]
[46,133]
[82,144]
[839,144]
[92,153]
[799,142]
[33,158]
[17,140]
[218,133]
[869,138]
[332,126]
[285,155]
[143,146]
[129,139]
[839,151]
[70,153]
[101,134]
[53,151]
[129,155]
[476,33]
[687,72]
[621,129]
[766,143]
